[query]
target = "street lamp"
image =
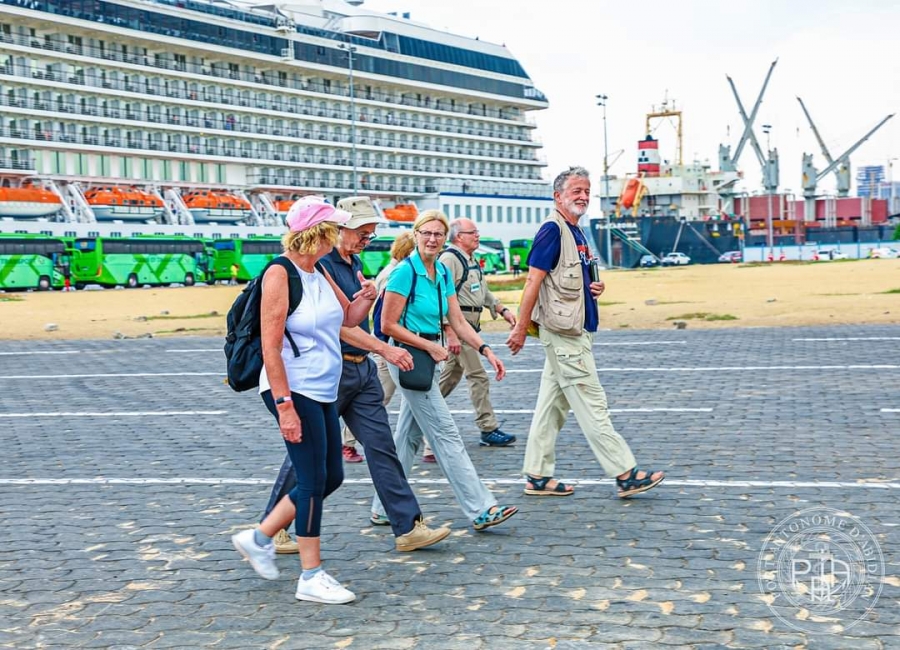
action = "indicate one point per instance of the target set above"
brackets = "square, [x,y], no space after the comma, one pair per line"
[767,128]
[601,101]
[891,186]
[351,49]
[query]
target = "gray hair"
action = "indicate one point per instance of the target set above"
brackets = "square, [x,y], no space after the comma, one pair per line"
[455,227]
[559,184]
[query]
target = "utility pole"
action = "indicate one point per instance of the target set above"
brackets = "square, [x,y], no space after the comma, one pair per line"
[351,49]
[601,101]
[770,233]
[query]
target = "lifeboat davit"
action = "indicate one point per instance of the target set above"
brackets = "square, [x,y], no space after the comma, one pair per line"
[405,212]
[217,205]
[283,205]
[128,203]
[28,202]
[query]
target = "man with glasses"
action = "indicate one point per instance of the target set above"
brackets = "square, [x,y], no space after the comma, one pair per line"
[360,396]
[474,296]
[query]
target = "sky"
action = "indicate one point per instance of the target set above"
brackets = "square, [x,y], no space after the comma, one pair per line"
[841,57]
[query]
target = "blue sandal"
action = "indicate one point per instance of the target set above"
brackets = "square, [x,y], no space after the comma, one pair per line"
[379,520]
[540,487]
[487,518]
[634,485]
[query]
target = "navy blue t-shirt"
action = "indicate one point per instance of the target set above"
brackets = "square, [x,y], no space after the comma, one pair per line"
[544,255]
[344,275]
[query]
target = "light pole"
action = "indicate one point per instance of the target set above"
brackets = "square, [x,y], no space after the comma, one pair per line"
[351,49]
[891,185]
[601,101]
[767,128]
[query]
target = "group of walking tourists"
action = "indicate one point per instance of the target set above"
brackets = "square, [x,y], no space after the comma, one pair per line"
[319,368]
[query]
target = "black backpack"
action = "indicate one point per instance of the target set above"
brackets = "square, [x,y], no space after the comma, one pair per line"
[466,267]
[243,346]
[379,304]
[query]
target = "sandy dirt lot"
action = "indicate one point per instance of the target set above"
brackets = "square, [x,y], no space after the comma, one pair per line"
[725,295]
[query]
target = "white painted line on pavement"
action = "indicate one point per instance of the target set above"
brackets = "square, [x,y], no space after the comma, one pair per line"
[195,350]
[15,354]
[890,410]
[843,485]
[850,338]
[728,368]
[87,414]
[622,410]
[622,343]
[127,374]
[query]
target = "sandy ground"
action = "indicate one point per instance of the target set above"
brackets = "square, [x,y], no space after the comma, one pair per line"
[724,295]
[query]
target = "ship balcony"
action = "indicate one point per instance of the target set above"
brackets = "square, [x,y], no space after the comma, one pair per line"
[18,164]
[273,79]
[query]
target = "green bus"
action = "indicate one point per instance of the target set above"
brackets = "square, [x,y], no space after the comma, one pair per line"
[30,261]
[522,247]
[251,256]
[497,263]
[135,261]
[377,255]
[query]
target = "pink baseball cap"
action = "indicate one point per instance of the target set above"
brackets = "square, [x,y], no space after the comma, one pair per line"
[310,211]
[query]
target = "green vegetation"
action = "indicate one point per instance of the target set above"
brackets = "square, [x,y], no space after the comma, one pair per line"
[10,299]
[212,314]
[891,291]
[702,315]
[897,233]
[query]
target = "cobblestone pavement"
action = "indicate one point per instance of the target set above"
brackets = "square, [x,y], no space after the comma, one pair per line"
[126,466]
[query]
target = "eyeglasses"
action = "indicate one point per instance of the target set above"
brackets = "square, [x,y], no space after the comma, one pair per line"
[367,238]
[469,232]
[431,235]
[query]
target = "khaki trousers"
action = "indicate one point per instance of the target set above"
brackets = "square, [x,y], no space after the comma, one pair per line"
[468,362]
[389,387]
[569,381]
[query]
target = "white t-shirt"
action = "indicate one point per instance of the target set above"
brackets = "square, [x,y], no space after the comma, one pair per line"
[315,327]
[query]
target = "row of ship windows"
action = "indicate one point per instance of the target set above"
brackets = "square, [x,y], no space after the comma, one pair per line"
[192,91]
[245,123]
[155,23]
[504,214]
[154,141]
[228,72]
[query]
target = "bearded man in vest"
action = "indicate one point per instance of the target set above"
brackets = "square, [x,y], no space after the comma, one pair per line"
[560,299]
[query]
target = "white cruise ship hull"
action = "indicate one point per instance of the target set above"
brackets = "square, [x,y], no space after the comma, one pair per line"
[117,212]
[28,209]
[223,215]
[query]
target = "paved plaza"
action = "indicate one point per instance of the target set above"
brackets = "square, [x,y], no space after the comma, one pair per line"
[127,465]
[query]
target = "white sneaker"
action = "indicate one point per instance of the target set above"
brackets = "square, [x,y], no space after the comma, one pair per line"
[261,558]
[322,588]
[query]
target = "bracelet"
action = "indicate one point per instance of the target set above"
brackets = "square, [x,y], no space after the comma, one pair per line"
[504,310]
[482,348]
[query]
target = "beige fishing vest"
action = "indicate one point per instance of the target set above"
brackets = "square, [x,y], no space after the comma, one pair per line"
[560,303]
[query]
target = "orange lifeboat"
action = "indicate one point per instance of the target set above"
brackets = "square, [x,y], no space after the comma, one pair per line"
[28,202]
[217,205]
[631,196]
[118,202]
[405,212]
[283,205]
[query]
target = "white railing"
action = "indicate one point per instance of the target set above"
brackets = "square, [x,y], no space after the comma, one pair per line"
[184,215]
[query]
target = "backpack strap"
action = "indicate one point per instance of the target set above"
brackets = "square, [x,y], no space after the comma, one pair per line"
[466,267]
[295,292]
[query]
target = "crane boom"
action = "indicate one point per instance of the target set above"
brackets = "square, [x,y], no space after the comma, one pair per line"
[844,156]
[815,131]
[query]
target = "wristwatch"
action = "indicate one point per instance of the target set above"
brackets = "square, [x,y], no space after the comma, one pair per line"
[283,400]
[504,310]
[482,348]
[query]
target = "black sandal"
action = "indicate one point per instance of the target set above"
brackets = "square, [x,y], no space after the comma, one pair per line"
[634,485]
[540,487]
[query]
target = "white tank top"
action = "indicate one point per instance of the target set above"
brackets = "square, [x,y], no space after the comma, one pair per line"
[315,327]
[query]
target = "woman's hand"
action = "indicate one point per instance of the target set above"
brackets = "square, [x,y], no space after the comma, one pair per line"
[496,364]
[289,423]
[438,352]
[367,288]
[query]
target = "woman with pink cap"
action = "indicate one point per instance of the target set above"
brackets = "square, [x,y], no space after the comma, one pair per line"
[299,383]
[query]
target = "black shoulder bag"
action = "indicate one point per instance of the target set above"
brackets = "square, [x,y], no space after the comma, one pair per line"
[421,376]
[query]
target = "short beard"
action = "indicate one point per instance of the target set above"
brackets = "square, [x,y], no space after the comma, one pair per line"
[573,209]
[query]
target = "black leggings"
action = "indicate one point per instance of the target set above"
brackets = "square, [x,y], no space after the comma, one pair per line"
[317,460]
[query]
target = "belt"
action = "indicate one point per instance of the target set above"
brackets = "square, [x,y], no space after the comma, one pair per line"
[355,358]
[471,310]
[429,337]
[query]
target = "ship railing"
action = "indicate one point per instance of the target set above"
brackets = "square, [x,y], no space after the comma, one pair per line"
[263,78]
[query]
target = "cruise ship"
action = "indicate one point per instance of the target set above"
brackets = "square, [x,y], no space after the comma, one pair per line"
[208,117]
